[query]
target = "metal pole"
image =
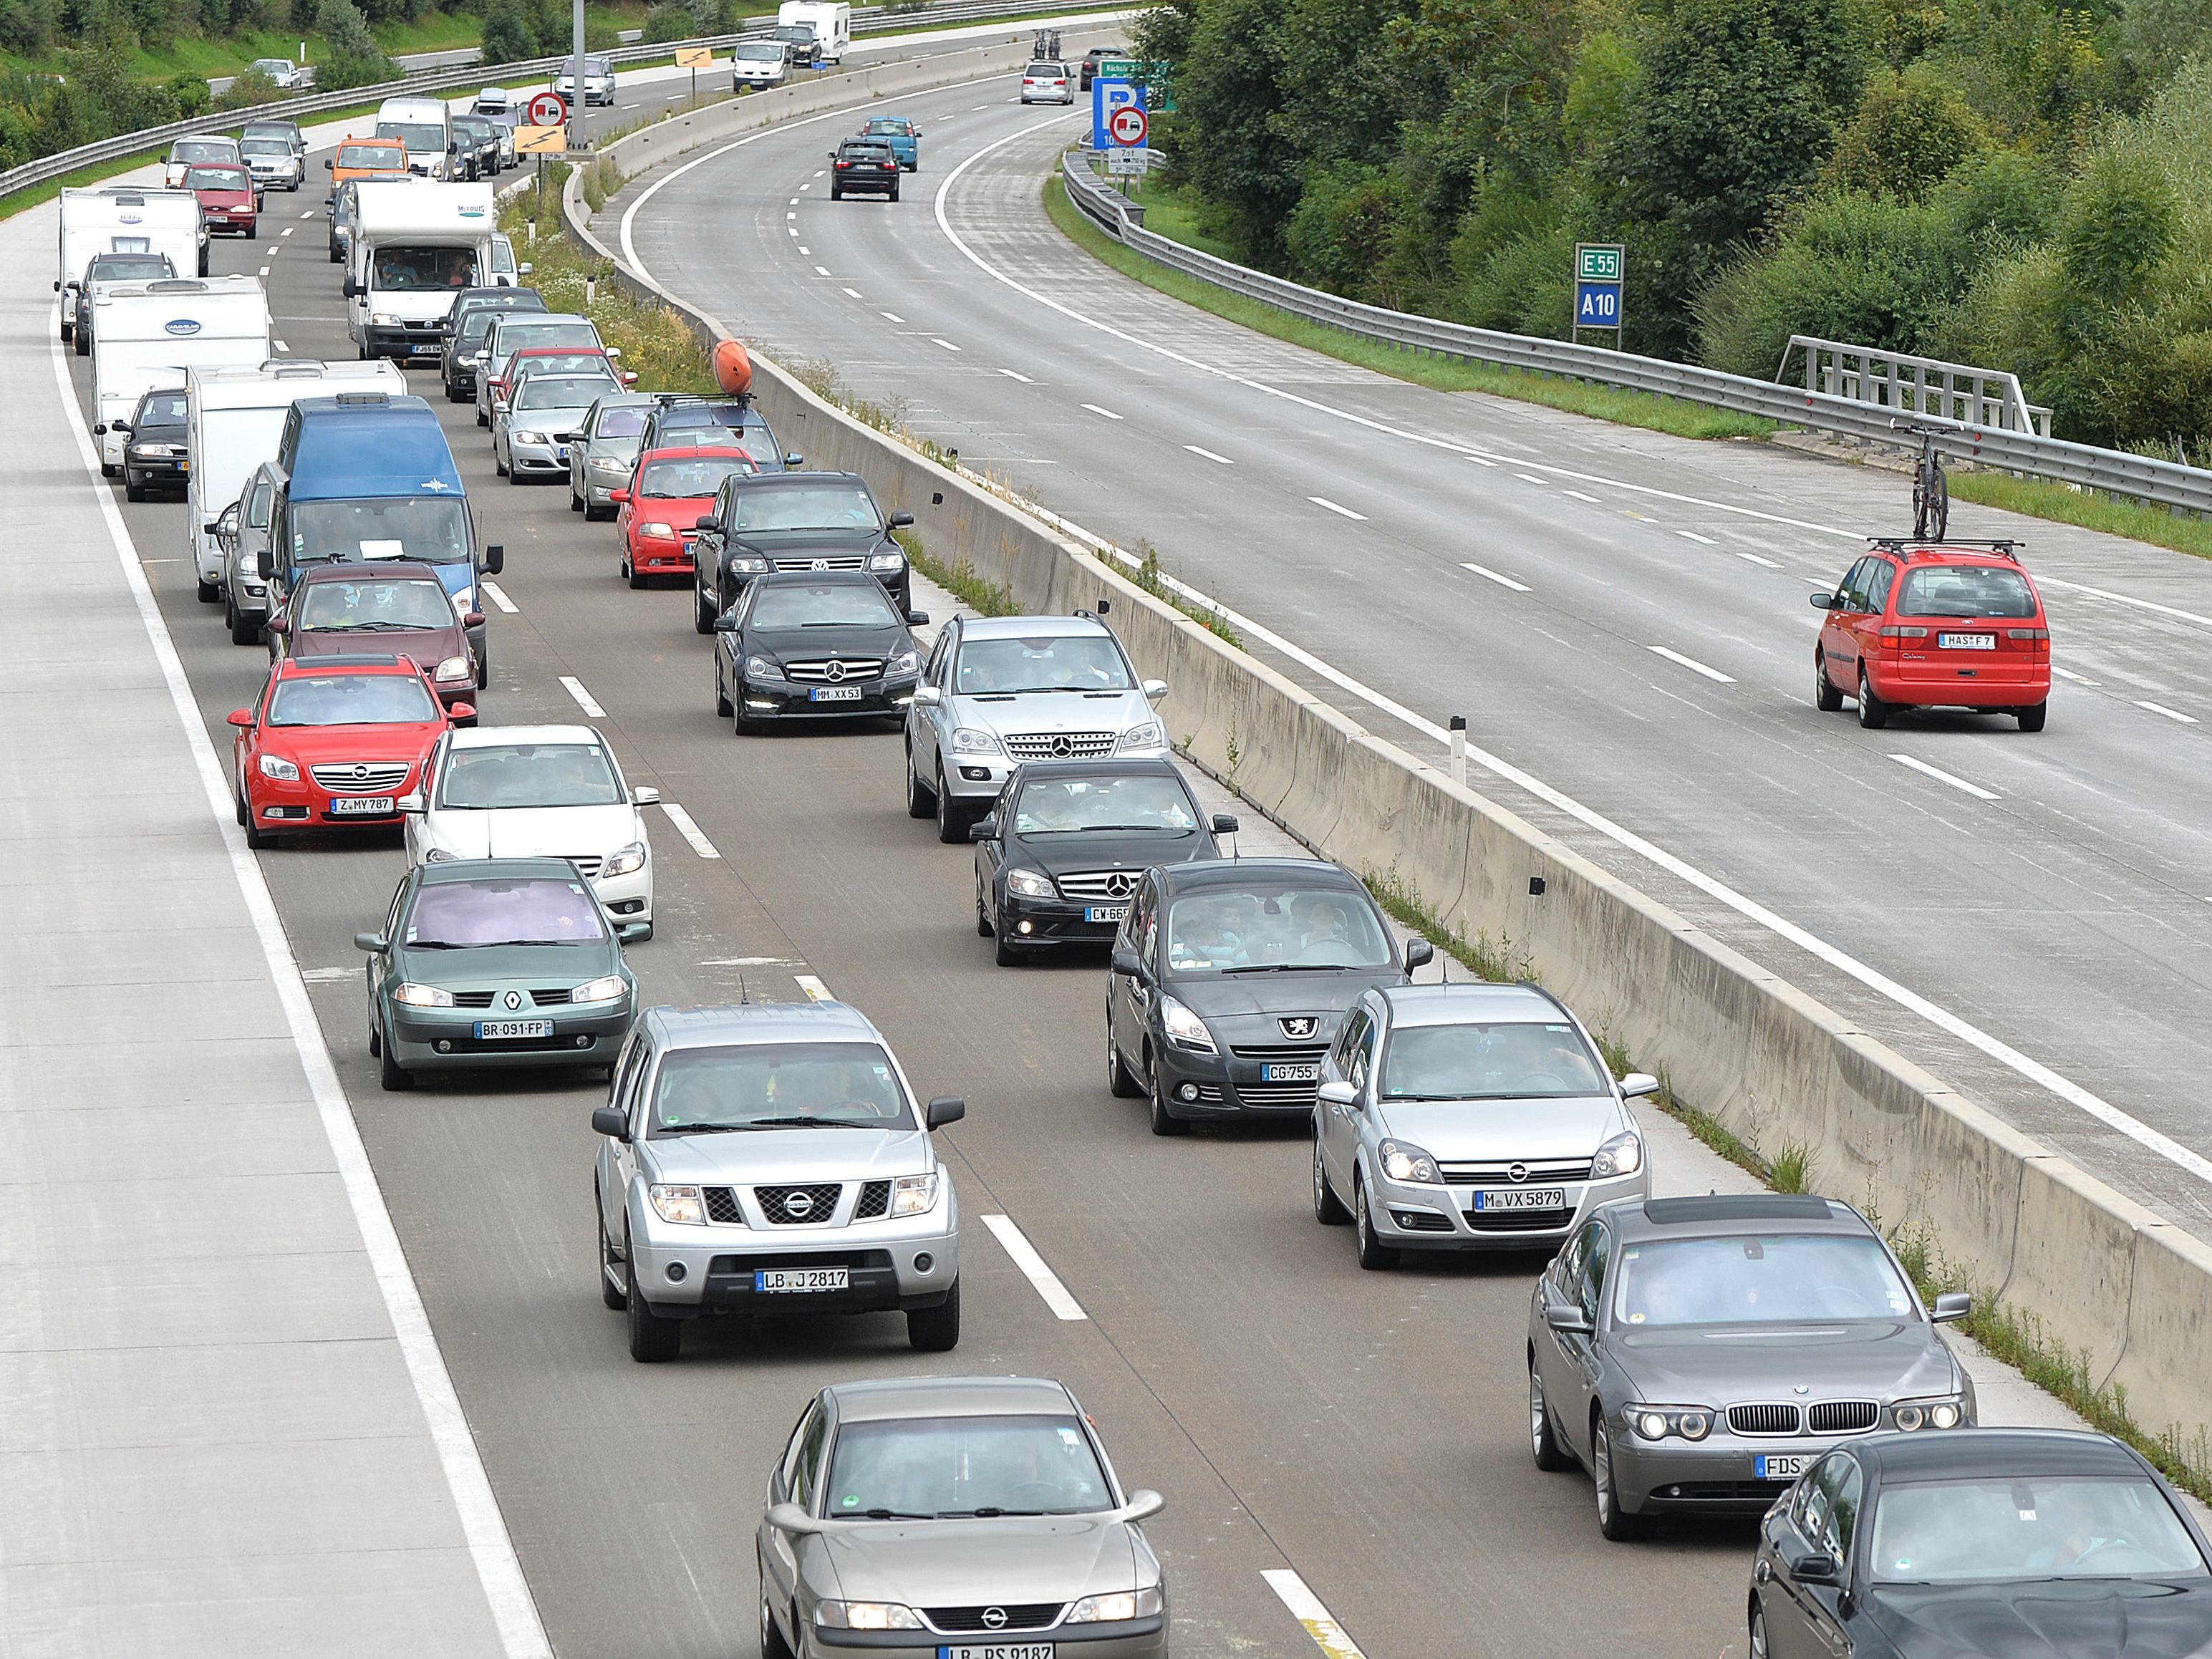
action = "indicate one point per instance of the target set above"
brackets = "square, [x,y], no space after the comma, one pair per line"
[577,139]
[1459,750]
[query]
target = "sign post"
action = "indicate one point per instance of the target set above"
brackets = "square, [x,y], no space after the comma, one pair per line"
[1129,128]
[694,58]
[1109,94]
[1600,273]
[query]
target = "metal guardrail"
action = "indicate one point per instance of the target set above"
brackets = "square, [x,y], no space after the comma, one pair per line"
[2165,483]
[867,19]
[1915,386]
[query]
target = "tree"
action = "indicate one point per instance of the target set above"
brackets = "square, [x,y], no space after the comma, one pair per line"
[508,38]
[1910,131]
[352,56]
[1227,138]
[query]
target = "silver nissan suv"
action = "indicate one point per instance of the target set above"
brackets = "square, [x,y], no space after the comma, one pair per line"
[1000,690]
[771,1158]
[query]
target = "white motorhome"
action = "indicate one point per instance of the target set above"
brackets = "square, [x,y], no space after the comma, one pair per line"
[234,419]
[118,221]
[831,19]
[425,125]
[414,247]
[146,335]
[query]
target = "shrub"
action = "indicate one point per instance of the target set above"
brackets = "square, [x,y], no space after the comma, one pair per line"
[351,55]
[248,90]
[1911,131]
[508,38]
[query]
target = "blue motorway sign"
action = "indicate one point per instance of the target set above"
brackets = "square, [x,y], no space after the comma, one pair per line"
[1597,305]
[1106,97]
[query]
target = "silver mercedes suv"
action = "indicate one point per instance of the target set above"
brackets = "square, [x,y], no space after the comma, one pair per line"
[1000,691]
[771,1158]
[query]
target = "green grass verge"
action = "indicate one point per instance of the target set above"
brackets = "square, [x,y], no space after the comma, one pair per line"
[1670,415]
[2113,515]
[32,196]
[985,598]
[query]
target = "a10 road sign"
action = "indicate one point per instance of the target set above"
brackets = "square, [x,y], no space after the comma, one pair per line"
[1600,270]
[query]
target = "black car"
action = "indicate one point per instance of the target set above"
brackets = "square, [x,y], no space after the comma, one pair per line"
[803,521]
[1984,1544]
[1066,842]
[1230,979]
[681,419]
[155,457]
[1088,70]
[112,268]
[814,645]
[467,325]
[478,140]
[866,165]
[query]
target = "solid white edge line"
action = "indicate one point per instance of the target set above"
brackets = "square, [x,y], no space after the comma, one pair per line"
[1307,1608]
[574,688]
[1017,1245]
[1942,776]
[498,596]
[688,830]
[1691,664]
[1488,574]
[815,989]
[2171,713]
[1324,501]
[491,1548]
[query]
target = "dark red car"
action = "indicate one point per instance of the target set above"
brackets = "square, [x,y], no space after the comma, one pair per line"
[227,200]
[396,605]
[656,515]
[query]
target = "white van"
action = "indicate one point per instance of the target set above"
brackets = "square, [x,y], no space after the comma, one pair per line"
[146,335]
[118,221]
[234,419]
[425,125]
[831,19]
[414,246]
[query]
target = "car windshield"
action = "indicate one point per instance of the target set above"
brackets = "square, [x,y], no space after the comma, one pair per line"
[560,391]
[375,605]
[735,418]
[520,337]
[264,147]
[1059,807]
[947,1466]
[403,528]
[627,422]
[1274,925]
[273,65]
[1511,1060]
[366,155]
[826,604]
[782,1085]
[761,52]
[217,178]
[529,775]
[855,151]
[1758,1279]
[1966,590]
[418,269]
[352,700]
[162,409]
[453,914]
[1051,662]
[686,480]
[203,149]
[130,267]
[2029,1527]
[806,506]
[888,125]
[417,137]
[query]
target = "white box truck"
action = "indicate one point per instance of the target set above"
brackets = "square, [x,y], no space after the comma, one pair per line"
[234,421]
[425,125]
[117,221]
[414,247]
[146,335]
[831,19]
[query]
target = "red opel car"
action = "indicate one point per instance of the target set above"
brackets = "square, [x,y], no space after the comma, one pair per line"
[656,515]
[227,198]
[334,743]
[1946,626]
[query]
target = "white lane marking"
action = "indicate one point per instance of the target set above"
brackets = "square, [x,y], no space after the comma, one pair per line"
[808,251]
[979,108]
[1755,559]
[893,317]
[1942,776]
[1016,375]
[1527,477]
[815,989]
[574,688]
[272,250]
[280,345]
[1107,413]
[947,344]
[1691,664]
[1306,1607]
[1208,454]
[287,231]
[852,294]
[1323,500]
[307,215]
[689,830]
[1488,574]
[791,216]
[2069,674]
[2171,713]
[795,202]
[1702,541]
[2123,599]
[491,1550]
[1016,1244]
[1579,497]
[1481,460]
[817,174]
[497,595]
[265,271]
[824,270]
[793,229]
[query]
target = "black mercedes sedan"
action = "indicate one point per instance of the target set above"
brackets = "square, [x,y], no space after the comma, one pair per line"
[1984,1544]
[808,522]
[1066,841]
[831,644]
[1229,980]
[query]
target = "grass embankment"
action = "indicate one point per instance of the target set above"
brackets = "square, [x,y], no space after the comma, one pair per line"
[2115,516]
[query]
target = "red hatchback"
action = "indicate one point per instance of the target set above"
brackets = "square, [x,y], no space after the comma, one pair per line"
[656,516]
[227,200]
[333,743]
[1946,626]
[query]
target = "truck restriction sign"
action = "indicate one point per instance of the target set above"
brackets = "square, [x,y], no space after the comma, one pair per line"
[547,109]
[1127,126]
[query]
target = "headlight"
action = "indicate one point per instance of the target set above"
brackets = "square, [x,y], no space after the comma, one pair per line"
[455,668]
[658,531]
[464,360]
[1030,884]
[1403,1161]
[914,1195]
[423,996]
[1948,1412]
[883,562]
[608,989]
[629,858]
[521,437]
[906,662]
[968,741]
[152,452]
[760,668]
[1184,1028]
[1622,1155]
[746,565]
[1657,1422]
[1138,738]
[1122,1604]
[678,1204]
[383,317]
[865,1615]
[613,464]
[276,766]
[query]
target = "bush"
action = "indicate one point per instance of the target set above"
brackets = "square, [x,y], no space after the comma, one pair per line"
[351,55]
[670,21]
[248,90]
[1911,131]
[508,38]
[26,27]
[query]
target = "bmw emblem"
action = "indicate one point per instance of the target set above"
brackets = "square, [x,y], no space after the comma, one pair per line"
[797,1205]
[513,1001]
[1801,1389]
[835,671]
[994,1619]
[1516,1172]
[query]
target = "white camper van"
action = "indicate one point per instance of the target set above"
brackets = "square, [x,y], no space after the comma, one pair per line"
[425,125]
[831,19]
[414,247]
[146,335]
[116,221]
[233,420]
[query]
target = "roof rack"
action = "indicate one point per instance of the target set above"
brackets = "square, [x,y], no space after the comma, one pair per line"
[2003,547]
[363,399]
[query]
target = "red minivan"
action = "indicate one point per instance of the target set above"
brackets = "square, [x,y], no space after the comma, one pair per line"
[1945,626]
[228,198]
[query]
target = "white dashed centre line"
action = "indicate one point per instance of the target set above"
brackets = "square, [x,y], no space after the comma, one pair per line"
[287,230]
[947,344]
[1208,454]
[1016,1244]
[265,271]
[893,317]
[1942,776]
[1306,1607]
[793,229]
[280,345]
[1480,461]
[852,294]
[2069,674]
[791,216]
[2123,598]
[494,591]
[1578,496]
[1488,574]
[1016,375]
[689,830]
[1530,477]
[1693,536]
[574,688]
[1755,559]
[1691,664]
[307,215]
[1344,512]
[803,248]
[815,989]
[821,270]
[2171,713]
[794,201]
[820,172]
[1107,413]
[273,249]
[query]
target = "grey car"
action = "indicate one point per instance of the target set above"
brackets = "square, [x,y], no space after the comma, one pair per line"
[605,454]
[771,1158]
[954,1517]
[1696,1355]
[529,438]
[1470,1117]
[512,333]
[245,590]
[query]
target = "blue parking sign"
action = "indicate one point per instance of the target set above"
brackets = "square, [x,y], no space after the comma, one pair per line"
[1106,97]
[1597,305]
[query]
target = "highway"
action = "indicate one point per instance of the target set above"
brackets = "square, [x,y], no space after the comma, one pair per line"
[1621,615]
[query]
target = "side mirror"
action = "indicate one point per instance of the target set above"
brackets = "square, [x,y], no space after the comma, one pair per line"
[265,565]
[410,803]
[727,623]
[1636,1085]
[1127,962]
[369,942]
[1225,824]
[278,625]
[100,429]
[525,268]
[704,521]
[474,619]
[614,353]
[789,1518]
[900,520]
[119,426]
[618,496]
[1813,1567]
[330,164]
[928,696]
[1951,1305]
[984,829]
[463,712]
[634,932]
[1823,601]
[1143,1504]
[1418,953]
[647,796]
[494,559]
[1155,690]
[629,377]
[945,1108]
[1338,1094]
[794,460]
[242,717]
[350,288]
[1565,1316]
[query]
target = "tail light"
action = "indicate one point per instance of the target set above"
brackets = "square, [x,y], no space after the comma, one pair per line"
[2040,636]
[1894,638]
[841,166]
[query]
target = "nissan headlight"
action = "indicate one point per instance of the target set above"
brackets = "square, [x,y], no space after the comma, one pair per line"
[1913,1415]
[1403,1161]
[883,564]
[626,861]
[607,989]
[1623,1155]
[1115,1607]
[866,1615]
[276,766]
[682,1205]
[914,1195]
[906,662]
[1184,1028]
[970,741]
[760,668]
[1657,1422]
[423,996]
[455,668]
[1030,884]
[1139,739]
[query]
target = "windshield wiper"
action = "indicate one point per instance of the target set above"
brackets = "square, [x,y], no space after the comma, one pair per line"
[804,1122]
[667,1130]
[891,1514]
[988,1512]
[1283,967]
[360,627]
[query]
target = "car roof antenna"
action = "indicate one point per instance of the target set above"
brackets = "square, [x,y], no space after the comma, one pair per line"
[745,997]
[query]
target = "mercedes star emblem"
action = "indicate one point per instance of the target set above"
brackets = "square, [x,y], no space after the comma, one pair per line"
[513,1001]
[836,670]
[994,1619]
[797,1204]
[1516,1172]
[1061,748]
[1120,884]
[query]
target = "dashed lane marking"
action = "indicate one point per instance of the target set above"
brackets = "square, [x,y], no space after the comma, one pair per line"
[2171,713]
[1016,1244]
[1016,375]
[1208,454]
[574,688]
[497,595]
[1691,664]
[1488,574]
[1693,536]
[1107,413]
[1342,512]
[815,989]
[689,830]
[1306,1607]
[1942,776]
[947,344]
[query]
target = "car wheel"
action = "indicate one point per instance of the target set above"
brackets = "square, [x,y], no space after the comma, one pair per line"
[951,818]
[208,592]
[637,578]
[575,506]
[132,490]
[1164,1122]
[722,704]
[1758,1643]
[611,1288]
[1874,713]
[836,194]
[84,340]
[1328,1209]
[653,1340]
[453,396]
[1005,955]
[254,838]
[1374,1255]
[597,514]
[1615,1523]
[483,419]
[392,1074]
[703,614]
[498,467]
[983,929]
[244,629]
[935,1330]
[484,670]
[1121,1082]
[919,803]
[375,1042]
[1550,1457]
[2032,719]
[1825,697]
[895,196]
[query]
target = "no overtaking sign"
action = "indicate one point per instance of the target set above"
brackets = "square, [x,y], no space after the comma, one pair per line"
[1127,126]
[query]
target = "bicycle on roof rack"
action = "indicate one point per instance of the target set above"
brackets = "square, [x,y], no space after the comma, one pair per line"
[1931,489]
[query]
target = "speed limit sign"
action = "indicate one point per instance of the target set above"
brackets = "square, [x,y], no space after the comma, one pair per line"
[1127,126]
